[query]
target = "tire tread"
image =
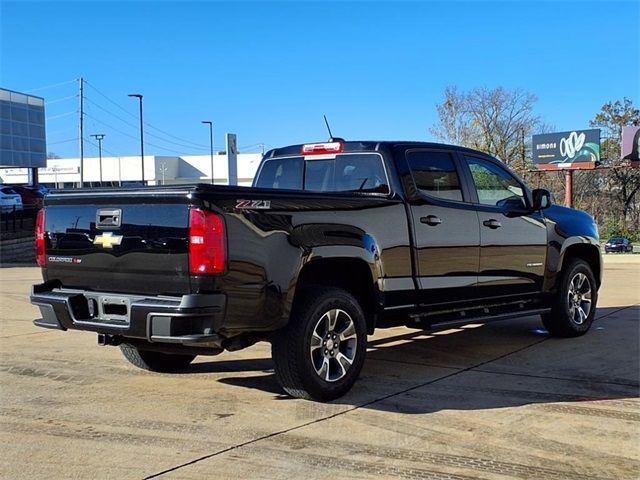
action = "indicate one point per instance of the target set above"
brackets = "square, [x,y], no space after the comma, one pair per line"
[155,361]
[289,372]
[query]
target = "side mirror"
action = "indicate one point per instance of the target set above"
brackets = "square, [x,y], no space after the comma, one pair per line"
[541,199]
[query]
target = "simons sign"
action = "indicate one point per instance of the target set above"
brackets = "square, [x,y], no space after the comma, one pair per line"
[579,149]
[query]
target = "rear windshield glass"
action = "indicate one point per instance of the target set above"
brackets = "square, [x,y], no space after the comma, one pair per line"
[345,173]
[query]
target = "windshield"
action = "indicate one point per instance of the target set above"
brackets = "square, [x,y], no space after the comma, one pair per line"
[363,172]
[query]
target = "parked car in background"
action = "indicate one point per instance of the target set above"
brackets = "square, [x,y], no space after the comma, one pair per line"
[618,244]
[32,195]
[9,200]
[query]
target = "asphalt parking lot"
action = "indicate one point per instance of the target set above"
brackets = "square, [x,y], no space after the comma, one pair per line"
[483,402]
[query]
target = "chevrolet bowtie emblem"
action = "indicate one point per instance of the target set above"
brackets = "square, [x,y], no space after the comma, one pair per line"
[107,240]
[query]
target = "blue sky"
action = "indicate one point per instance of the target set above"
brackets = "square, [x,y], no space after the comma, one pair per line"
[268,71]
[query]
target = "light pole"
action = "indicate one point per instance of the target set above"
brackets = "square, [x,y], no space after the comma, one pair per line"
[99,137]
[207,122]
[139,97]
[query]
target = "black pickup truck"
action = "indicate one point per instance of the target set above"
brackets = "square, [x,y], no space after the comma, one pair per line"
[332,241]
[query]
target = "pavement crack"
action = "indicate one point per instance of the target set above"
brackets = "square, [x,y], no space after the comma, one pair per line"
[551,377]
[430,365]
[25,334]
[358,407]
[329,417]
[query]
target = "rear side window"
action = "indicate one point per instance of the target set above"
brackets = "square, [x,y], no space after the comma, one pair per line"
[434,173]
[282,173]
[344,173]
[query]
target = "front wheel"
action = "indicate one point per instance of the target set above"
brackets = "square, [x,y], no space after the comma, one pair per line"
[574,307]
[155,361]
[320,353]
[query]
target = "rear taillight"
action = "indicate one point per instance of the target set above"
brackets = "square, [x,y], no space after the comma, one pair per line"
[40,243]
[206,242]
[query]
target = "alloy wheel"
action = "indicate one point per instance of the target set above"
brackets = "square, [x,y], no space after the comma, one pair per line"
[333,345]
[579,298]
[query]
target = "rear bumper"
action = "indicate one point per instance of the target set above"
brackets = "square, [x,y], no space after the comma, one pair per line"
[188,320]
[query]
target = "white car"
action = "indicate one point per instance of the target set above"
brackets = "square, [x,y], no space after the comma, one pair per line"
[9,199]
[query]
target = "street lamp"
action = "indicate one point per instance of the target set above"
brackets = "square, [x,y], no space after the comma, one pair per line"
[207,122]
[99,137]
[139,97]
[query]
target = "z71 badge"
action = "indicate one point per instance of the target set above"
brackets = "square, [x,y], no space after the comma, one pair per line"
[255,204]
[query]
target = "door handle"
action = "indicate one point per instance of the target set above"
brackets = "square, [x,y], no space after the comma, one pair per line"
[492,223]
[431,220]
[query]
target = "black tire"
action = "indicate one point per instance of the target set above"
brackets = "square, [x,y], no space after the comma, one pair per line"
[312,366]
[155,361]
[565,318]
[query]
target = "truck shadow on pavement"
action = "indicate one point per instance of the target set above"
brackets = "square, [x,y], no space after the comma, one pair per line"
[503,364]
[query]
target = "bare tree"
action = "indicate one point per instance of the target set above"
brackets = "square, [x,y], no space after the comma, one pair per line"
[621,180]
[496,121]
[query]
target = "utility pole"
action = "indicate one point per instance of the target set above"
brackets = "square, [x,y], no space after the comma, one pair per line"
[523,148]
[262,145]
[81,132]
[207,122]
[139,97]
[99,137]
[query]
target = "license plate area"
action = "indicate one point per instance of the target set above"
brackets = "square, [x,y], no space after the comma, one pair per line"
[102,309]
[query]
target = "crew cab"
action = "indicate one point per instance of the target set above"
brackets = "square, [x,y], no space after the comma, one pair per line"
[332,241]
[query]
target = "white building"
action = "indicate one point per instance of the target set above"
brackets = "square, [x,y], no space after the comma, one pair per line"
[158,170]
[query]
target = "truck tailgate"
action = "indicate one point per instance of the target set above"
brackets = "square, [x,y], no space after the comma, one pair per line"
[118,244]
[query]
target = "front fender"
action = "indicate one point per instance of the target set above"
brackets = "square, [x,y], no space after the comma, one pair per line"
[570,232]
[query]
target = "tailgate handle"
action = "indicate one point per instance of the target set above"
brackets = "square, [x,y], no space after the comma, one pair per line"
[109,217]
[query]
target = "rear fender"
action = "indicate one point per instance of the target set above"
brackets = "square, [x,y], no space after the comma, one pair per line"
[343,256]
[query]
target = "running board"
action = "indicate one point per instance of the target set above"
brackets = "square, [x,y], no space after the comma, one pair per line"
[420,321]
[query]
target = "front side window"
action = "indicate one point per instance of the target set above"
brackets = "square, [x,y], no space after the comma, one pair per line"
[434,173]
[495,186]
[344,173]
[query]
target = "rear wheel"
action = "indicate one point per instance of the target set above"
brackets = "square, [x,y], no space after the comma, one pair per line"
[155,361]
[574,307]
[320,353]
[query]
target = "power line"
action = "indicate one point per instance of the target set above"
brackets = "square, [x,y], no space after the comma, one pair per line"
[131,136]
[111,127]
[146,123]
[108,99]
[61,115]
[136,126]
[177,138]
[62,141]
[51,86]
[103,149]
[57,100]
[111,113]
[57,132]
